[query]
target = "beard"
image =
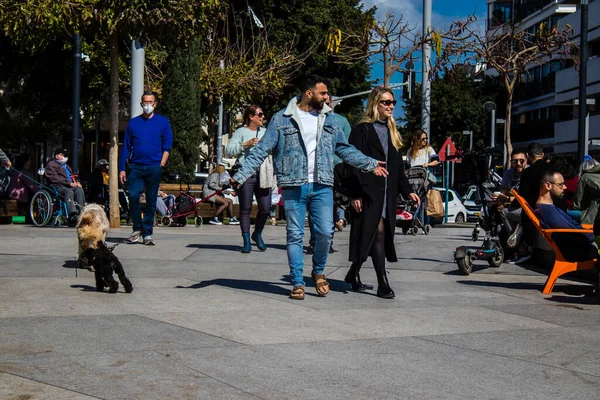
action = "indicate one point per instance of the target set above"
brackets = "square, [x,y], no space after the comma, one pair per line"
[316,104]
[558,199]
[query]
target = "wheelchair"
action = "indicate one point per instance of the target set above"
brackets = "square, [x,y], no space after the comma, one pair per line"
[48,207]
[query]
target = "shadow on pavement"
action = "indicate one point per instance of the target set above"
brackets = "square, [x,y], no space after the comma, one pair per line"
[84,288]
[576,292]
[243,284]
[269,287]
[73,264]
[424,259]
[507,285]
[230,247]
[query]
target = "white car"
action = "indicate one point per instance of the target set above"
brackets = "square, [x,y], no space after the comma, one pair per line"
[457,213]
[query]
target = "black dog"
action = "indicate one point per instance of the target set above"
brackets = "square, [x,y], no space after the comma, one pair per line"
[105,263]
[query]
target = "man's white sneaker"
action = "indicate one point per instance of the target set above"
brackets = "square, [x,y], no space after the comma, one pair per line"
[514,237]
[215,221]
[148,241]
[134,238]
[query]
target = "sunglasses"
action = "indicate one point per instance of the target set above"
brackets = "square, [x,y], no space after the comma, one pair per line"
[388,102]
[424,138]
[559,184]
[260,115]
[519,161]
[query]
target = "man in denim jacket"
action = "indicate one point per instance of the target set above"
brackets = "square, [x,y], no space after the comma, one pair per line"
[303,139]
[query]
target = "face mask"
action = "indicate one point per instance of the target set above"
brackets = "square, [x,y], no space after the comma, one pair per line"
[148,108]
[64,160]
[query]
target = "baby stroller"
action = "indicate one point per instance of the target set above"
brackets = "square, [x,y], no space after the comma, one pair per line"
[185,205]
[410,216]
[491,249]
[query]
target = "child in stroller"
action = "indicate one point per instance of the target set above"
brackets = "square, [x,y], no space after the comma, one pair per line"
[410,216]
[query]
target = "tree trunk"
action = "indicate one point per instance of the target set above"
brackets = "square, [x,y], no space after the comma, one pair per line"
[113,155]
[387,73]
[507,139]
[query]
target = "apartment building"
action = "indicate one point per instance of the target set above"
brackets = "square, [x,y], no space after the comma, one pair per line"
[545,107]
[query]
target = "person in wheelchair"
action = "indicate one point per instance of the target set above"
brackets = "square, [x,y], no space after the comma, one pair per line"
[59,175]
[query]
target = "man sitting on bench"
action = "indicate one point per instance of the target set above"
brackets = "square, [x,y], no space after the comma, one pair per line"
[574,246]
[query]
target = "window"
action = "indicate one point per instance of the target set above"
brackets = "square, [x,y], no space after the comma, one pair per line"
[499,13]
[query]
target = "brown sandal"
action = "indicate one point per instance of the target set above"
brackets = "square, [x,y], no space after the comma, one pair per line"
[321,284]
[297,293]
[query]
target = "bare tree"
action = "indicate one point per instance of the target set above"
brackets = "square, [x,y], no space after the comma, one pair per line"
[253,69]
[509,50]
[392,41]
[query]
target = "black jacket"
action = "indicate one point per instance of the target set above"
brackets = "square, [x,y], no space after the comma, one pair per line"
[55,174]
[371,188]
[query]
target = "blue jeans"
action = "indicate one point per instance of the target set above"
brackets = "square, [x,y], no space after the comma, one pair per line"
[140,177]
[318,200]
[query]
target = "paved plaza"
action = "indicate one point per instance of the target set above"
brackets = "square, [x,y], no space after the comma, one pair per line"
[207,322]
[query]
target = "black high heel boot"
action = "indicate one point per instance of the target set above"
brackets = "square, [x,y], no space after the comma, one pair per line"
[353,278]
[383,289]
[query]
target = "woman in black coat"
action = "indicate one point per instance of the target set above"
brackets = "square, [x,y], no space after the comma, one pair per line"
[374,198]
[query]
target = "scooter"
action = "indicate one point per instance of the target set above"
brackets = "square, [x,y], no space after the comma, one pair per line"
[491,249]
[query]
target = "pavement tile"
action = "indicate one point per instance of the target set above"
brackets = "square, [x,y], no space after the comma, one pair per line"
[397,368]
[563,314]
[13,387]
[45,337]
[265,326]
[125,375]
[71,297]
[572,349]
[205,321]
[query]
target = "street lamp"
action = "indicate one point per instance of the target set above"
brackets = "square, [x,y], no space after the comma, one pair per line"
[490,106]
[470,133]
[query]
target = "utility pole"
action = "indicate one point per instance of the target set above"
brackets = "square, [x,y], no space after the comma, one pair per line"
[426,83]
[219,144]
[582,147]
[490,107]
[76,103]
[137,78]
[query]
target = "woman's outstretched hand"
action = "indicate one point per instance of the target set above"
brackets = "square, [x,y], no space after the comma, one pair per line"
[380,170]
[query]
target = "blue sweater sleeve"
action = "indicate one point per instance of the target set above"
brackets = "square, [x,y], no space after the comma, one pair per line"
[167,139]
[126,149]
[553,217]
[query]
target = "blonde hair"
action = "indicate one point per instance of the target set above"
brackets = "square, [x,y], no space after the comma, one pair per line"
[372,115]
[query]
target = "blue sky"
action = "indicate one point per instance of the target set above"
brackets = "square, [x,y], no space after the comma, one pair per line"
[443,14]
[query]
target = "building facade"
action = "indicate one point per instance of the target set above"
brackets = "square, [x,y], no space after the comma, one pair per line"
[545,106]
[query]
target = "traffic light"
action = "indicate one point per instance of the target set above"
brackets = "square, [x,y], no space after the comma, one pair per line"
[409,78]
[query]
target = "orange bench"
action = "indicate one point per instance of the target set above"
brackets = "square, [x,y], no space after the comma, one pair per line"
[561,266]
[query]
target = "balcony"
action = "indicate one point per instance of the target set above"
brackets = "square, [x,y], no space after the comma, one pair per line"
[567,81]
[567,131]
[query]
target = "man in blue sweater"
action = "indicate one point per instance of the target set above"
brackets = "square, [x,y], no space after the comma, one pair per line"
[574,246]
[146,145]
